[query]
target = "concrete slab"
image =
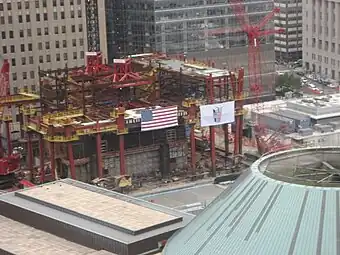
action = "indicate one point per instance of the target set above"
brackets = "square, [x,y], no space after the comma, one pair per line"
[187,197]
[98,206]
[20,239]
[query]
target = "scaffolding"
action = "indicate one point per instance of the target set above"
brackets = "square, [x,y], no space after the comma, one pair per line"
[82,106]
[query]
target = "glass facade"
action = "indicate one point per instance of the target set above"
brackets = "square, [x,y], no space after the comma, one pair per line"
[176,26]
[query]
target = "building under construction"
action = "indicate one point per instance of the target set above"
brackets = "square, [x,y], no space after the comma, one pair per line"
[89,122]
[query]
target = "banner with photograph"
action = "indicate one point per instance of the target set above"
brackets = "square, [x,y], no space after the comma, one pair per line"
[217,114]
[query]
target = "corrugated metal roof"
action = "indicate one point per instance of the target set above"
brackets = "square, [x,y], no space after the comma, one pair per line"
[264,216]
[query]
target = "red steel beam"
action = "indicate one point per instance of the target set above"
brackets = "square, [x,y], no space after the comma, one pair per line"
[9,142]
[70,154]
[42,158]
[30,151]
[99,154]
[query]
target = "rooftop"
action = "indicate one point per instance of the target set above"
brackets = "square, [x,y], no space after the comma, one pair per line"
[20,239]
[261,215]
[90,215]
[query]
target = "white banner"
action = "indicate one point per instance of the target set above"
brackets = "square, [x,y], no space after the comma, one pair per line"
[217,114]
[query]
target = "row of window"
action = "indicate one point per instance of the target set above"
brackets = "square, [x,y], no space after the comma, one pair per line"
[29,47]
[326,44]
[39,17]
[63,30]
[47,59]
[38,4]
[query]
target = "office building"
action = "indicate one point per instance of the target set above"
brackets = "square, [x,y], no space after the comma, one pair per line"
[177,27]
[45,33]
[321,33]
[288,45]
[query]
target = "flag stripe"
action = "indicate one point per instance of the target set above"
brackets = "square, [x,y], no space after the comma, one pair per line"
[161,118]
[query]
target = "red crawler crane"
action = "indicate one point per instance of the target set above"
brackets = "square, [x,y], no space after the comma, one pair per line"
[254,33]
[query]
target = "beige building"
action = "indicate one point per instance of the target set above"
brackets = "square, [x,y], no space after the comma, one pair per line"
[321,37]
[45,33]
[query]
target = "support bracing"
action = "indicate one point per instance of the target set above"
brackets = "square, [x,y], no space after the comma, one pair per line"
[42,158]
[99,155]
[9,138]
[30,151]
[92,25]
[52,156]
[122,155]
[70,155]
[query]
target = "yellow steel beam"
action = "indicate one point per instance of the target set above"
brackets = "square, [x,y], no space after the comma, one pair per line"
[53,117]
[61,139]
[91,130]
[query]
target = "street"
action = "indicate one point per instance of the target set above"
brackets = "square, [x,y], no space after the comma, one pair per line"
[305,89]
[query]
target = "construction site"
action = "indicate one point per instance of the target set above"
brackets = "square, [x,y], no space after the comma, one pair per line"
[86,122]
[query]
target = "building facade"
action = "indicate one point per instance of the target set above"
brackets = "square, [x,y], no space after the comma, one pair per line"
[288,45]
[49,34]
[321,33]
[177,27]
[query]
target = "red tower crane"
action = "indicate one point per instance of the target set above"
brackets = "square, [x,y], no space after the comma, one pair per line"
[254,33]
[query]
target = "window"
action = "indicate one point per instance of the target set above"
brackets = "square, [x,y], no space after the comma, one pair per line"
[14,77]
[4,49]
[72,14]
[10,20]
[41,59]
[64,44]
[37,4]
[40,47]
[2,20]
[55,15]
[63,29]
[21,33]
[44,3]
[29,32]
[30,60]
[46,30]
[9,6]
[57,44]
[73,28]
[27,5]
[54,3]
[23,61]
[37,17]
[45,16]
[22,47]
[79,14]
[56,30]
[28,18]
[33,86]
[74,42]
[65,56]
[48,58]
[80,27]
[57,57]
[30,47]
[1,7]
[74,55]
[82,54]
[11,34]
[39,31]
[20,19]
[333,47]
[47,45]
[81,42]
[3,35]
[12,48]
[19,5]
[61,2]
[62,15]
[14,63]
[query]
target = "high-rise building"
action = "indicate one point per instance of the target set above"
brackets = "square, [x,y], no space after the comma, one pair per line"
[45,33]
[321,33]
[288,45]
[182,27]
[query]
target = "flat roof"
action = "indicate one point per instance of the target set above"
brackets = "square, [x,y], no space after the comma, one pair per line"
[97,210]
[135,218]
[21,239]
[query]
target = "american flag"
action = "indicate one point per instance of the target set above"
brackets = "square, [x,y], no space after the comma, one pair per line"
[158,118]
